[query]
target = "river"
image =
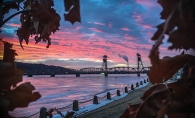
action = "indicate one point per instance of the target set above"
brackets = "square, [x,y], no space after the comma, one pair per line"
[61,90]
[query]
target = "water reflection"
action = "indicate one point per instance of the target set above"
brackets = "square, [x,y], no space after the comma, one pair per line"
[61,90]
[105,85]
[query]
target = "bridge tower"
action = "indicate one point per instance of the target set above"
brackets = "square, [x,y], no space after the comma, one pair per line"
[104,65]
[139,64]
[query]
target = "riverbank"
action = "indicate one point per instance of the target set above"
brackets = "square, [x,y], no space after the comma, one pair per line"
[116,108]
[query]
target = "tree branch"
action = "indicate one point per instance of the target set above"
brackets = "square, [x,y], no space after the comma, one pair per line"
[24,11]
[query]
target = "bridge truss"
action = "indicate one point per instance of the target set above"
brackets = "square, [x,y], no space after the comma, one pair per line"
[114,70]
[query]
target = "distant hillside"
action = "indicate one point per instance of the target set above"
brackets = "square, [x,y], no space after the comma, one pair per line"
[42,69]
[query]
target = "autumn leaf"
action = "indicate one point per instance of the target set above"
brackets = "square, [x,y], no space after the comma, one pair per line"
[6,74]
[9,54]
[7,7]
[41,22]
[69,114]
[168,7]
[164,69]
[73,9]
[180,28]
[150,107]
[4,106]
[177,101]
[131,111]
[179,115]
[182,100]
[152,90]
[21,96]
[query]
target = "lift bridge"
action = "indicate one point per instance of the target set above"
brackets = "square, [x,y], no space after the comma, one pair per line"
[115,70]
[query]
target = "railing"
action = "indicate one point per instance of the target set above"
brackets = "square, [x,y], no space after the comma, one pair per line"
[95,100]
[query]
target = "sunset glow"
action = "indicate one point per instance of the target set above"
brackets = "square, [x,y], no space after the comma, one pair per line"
[108,27]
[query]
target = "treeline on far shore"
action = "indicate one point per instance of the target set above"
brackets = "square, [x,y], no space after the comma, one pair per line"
[42,69]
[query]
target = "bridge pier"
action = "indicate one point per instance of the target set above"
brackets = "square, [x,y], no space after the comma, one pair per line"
[52,75]
[106,74]
[30,75]
[77,74]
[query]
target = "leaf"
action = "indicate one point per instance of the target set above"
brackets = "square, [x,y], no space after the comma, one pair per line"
[179,115]
[168,7]
[11,77]
[74,13]
[7,7]
[164,69]
[5,74]
[180,28]
[130,112]
[41,22]
[183,39]
[4,106]
[9,53]
[182,101]
[158,32]
[150,107]
[152,90]
[69,114]
[125,114]
[21,96]
[179,99]
[184,89]
[23,34]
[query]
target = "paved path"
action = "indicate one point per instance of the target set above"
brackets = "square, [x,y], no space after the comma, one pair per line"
[115,109]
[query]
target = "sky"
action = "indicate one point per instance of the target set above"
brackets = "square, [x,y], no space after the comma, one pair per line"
[108,27]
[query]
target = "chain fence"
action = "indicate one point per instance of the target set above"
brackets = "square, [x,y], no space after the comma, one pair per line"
[84,102]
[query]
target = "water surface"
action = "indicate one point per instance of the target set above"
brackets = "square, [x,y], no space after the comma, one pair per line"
[61,90]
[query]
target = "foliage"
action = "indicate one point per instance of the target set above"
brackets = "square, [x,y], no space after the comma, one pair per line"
[13,95]
[68,115]
[177,99]
[74,12]
[38,18]
[43,20]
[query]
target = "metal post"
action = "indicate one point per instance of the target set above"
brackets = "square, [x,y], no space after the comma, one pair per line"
[106,74]
[137,84]
[75,106]
[43,111]
[132,87]
[95,100]
[141,83]
[118,93]
[126,90]
[108,96]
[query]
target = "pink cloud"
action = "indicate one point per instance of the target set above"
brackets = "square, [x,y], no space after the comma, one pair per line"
[122,3]
[125,29]
[137,17]
[128,37]
[13,24]
[97,23]
[95,29]
[147,4]
[76,48]
[147,26]
[110,24]
[78,27]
